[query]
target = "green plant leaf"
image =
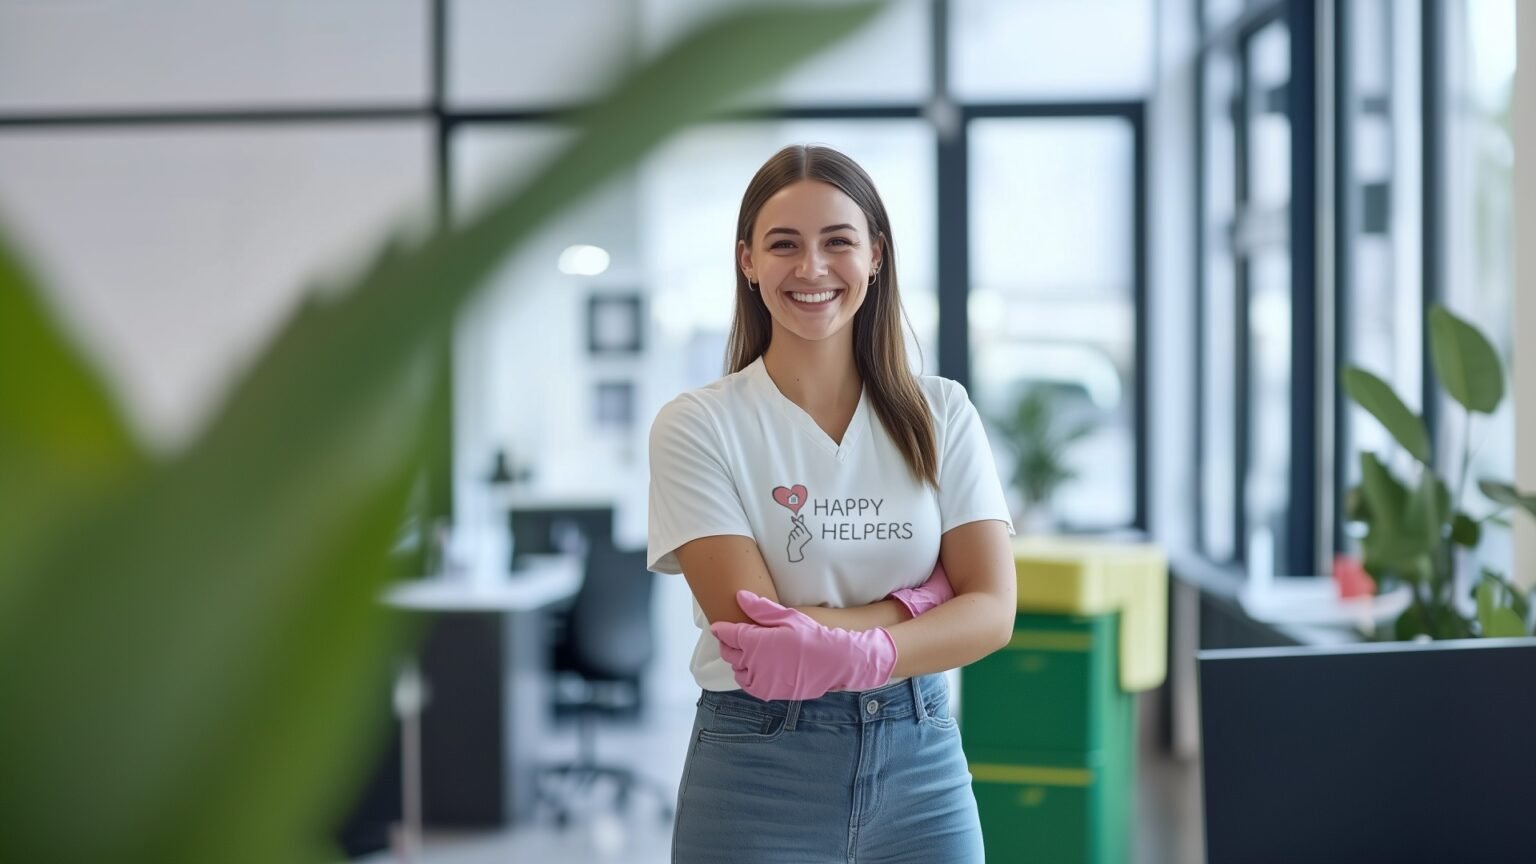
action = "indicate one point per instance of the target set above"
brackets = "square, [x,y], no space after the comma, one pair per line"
[1428,507]
[1078,433]
[1510,594]
[1384,495]
[1465,362]
[193,683]
[1509,496]
[1466,531]
[228,618]
[1355,508]
[1411,623]
[1040,443]
[1504,623]
[1378,398]
[63,441]
[1496,615]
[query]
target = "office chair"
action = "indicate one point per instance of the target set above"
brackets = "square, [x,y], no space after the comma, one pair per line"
[606,641]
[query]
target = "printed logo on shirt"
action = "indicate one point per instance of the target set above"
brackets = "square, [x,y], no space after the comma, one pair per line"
[794,497]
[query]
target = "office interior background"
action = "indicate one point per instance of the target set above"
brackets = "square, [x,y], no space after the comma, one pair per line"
[1182,217]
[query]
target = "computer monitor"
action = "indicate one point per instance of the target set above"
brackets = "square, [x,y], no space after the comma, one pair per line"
[1392,752]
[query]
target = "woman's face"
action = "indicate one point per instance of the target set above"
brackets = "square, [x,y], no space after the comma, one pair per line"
[812,256]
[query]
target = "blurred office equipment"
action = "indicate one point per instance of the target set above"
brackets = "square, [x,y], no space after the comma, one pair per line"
[485,662]
[484,665]
[1049,722]
[600,654]
[1403,752]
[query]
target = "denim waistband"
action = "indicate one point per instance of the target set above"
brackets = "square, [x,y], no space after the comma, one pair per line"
[915,697]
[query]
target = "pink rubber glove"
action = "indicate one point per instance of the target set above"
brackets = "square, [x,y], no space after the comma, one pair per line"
[788,655]
[927,595]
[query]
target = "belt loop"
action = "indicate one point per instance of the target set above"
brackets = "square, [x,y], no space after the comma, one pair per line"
[791,714]
[919,709]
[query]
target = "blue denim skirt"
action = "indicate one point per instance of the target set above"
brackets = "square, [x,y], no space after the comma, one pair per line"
[876,776]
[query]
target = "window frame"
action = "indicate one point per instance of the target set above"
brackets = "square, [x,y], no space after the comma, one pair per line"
[950,120]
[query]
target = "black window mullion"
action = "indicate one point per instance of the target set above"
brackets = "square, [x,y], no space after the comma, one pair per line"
[440,467]
[1344,107]
[1202,226]
[1302,102]
[1434,102]
[1140,312]
[954,253]
[1240,281]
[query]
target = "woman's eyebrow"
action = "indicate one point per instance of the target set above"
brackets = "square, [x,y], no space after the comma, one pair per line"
[841,226]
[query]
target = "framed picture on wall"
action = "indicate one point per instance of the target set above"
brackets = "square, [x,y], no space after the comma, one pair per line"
[614,324]
[614,404]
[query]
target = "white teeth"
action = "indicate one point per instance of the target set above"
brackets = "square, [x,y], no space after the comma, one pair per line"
[814,298]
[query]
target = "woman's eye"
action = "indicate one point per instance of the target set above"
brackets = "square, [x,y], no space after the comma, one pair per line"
[782,244]
[842,240]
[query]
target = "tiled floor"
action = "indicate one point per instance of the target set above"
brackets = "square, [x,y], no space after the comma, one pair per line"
[1168,829]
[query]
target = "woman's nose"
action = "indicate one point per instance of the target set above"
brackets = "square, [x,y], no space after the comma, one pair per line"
[811,264]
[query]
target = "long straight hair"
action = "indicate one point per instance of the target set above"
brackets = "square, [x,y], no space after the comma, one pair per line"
[879,350]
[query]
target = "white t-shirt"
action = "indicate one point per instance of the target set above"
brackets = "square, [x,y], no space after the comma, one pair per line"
[838,525]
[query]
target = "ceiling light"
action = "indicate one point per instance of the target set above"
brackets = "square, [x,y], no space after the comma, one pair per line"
[583,260]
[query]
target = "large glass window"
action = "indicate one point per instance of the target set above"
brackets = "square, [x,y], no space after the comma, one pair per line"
[164,54]
[1218,451]
[1077,49]
[1380,290]
[1052,303]
[1478,278]
[1265,276]
[177,252]
[693,189]
[666,232]
[1256,447]
[521,54]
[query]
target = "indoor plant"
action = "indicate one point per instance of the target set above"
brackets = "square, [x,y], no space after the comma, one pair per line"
[1040,436]
[1414,525]
[192,653]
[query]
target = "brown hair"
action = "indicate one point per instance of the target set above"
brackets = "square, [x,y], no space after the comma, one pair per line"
[879,351]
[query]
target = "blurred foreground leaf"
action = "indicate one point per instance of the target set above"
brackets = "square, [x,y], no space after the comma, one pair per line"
[63,442]
[194,669]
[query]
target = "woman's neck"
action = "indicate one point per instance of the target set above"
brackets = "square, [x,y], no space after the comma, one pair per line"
[820,377]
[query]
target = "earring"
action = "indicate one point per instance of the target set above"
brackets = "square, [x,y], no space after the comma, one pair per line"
[873,274]
[751,286]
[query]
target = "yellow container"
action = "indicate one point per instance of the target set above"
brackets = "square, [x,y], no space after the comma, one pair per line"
[1098,577]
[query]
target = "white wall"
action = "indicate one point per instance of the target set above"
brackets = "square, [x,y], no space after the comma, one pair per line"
[1524,372]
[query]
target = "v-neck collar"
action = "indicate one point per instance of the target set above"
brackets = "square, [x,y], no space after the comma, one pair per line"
[799,417]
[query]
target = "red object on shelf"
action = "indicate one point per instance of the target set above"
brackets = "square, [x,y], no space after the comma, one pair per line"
[1350,578]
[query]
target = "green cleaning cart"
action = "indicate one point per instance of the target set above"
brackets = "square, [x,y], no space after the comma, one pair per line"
[1049,722]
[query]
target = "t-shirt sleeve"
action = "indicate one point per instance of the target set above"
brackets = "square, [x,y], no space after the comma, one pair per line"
[692,492]
[969,488]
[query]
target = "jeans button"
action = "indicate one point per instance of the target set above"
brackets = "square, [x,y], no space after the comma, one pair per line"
[872,706]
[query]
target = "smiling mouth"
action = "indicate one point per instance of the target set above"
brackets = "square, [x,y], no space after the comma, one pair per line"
[815,299]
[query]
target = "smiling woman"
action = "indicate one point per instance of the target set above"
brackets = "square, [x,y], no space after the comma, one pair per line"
[823,272]
[841,526]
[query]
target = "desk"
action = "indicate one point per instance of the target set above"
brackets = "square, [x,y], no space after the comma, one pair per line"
[545,579]
[486,673]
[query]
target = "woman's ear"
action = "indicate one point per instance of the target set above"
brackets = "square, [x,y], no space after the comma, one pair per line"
[744,260]
[877,255]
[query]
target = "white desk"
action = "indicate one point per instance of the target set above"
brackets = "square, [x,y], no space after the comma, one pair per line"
[479,765]
[547,579]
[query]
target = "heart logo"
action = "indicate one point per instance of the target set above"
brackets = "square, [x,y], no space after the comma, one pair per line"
[792,497]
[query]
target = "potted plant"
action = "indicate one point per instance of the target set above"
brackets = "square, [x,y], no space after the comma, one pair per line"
[1414,526]
[191,644]
[1040,435]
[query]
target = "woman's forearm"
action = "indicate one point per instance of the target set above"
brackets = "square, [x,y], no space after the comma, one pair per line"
[952,634]
[882,613]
